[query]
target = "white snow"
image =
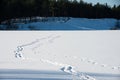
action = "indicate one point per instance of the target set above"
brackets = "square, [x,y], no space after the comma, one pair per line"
[85,51]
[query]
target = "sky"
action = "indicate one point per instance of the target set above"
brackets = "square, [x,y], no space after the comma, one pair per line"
[109,2]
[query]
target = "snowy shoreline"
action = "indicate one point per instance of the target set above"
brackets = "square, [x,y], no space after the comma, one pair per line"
[60,23]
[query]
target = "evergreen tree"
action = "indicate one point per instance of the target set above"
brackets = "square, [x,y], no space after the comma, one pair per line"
[67,8]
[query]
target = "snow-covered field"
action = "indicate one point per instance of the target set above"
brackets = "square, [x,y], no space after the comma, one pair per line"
[63,23]
[71,52]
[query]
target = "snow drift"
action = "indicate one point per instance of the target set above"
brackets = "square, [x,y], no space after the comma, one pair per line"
[61,23]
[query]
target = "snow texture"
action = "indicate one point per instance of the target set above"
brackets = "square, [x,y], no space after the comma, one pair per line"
[62,23]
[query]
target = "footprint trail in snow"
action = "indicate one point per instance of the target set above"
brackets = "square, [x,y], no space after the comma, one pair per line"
[64,67]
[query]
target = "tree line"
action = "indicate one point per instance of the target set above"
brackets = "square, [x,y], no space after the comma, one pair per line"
[56,8]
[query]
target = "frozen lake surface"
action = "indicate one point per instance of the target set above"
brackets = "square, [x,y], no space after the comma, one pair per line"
[61,55]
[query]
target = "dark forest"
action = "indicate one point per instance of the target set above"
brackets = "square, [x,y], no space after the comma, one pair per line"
[56,8]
